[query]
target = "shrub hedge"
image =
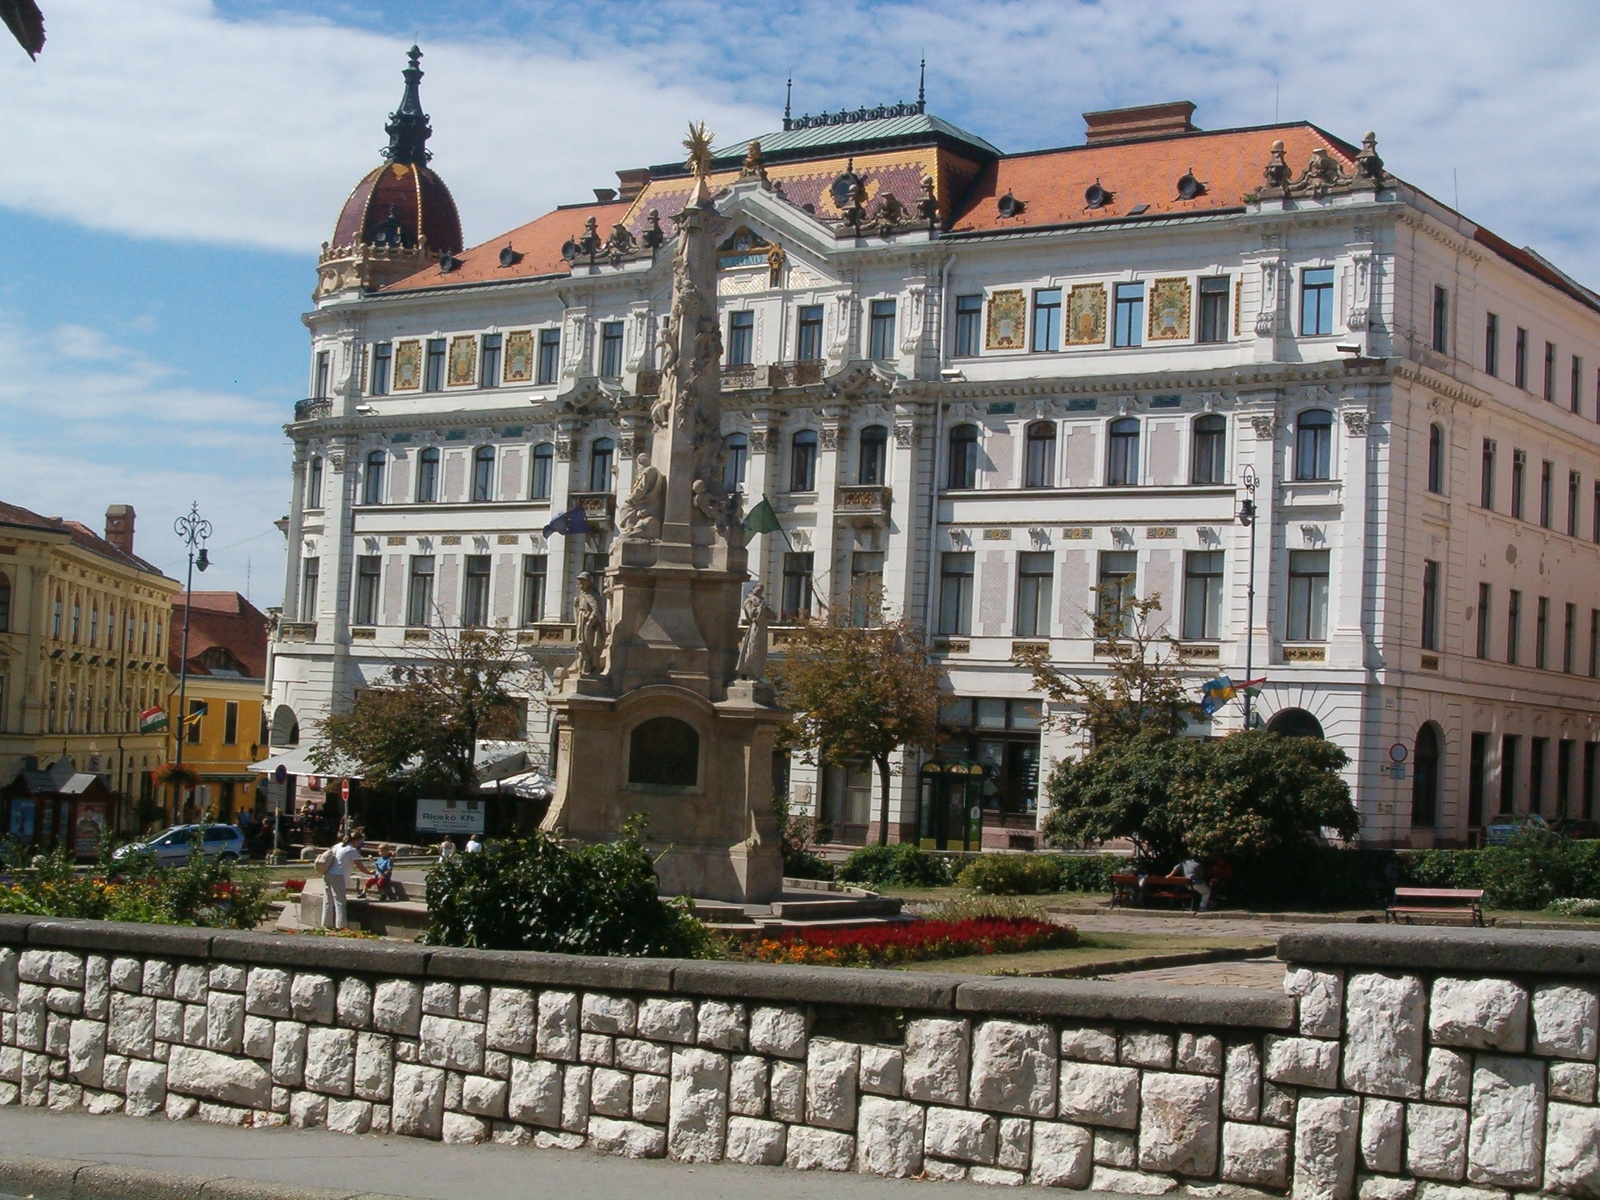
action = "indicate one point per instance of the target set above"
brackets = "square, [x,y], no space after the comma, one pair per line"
[904,864]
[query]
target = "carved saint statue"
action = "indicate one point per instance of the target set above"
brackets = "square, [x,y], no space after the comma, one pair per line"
[640,518]
[753,650]
[591,628]
[721,509]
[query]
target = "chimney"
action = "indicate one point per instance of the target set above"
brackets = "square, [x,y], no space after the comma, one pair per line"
[119,527]
[632,181]
[1150,120]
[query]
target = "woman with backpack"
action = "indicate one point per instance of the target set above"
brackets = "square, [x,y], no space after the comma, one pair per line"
[335,865]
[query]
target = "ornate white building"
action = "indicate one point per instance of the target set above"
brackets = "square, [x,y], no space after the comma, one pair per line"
[991,384]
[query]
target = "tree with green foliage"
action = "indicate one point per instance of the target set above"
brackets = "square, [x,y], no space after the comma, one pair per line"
[1123,788]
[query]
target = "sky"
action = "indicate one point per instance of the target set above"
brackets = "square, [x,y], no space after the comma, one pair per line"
[170,168]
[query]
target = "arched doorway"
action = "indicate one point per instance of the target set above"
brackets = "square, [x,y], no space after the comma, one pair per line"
[1425,778]
[285,726]
[1294,722]
[949,811]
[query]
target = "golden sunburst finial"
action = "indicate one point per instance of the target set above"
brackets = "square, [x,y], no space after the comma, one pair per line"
[698,144]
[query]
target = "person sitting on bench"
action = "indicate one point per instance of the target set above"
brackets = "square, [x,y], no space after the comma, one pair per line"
[383,872]
[1194,871]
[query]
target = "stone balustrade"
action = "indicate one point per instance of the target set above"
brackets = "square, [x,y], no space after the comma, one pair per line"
[1396,1064]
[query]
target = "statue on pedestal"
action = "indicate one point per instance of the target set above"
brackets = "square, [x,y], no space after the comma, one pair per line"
[591,631]
[753,650]
[640,518]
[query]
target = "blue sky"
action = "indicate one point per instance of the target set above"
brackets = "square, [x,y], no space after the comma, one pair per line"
[172,165]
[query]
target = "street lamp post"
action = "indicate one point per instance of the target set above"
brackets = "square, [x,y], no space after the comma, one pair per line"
[1247,517]
[193,529]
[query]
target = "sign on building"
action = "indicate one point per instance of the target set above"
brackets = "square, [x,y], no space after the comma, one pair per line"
[450,816]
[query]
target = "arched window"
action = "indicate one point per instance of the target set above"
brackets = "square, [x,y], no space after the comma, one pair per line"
[664,752]
[803,461]
[483,474]
[735,458]
[874,455]
[428,475]
[1425,778]
[314,482]
[601,455]
[1122,461]
[285,726]
[962,471]
[1313,445]
[5,603]
[1436,460]
[544,462]
[1294,722]
[372,483]
[1041,465]
[1208,462]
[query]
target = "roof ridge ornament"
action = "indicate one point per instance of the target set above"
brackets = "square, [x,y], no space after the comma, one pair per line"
[408,127]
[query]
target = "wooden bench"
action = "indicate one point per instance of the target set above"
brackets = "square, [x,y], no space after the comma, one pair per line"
[1441,903]
[1128,889]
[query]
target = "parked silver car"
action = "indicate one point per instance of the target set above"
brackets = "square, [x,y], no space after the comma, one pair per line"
[172,846]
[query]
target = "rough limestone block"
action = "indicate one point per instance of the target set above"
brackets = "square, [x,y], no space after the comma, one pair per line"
[609,1014]
[330,1061]
[832,1068]
[697,1124]
[1145,1048]
[883,1071]
[1572,1151]
[1321,999]
[33,966]
[190,983]
[102,1103]
[1116,1148]
[407,1050]
[1436,1141]
[132,1025]
[194,1024]
[57,1035]
[353,1004]
[575,1098]
[507,1134]
[266,993]
[127,975]
[86,1053]
[756,1143]
[596,1049]
[157,978]
[65,1096]
[417,1109]
[1307,1062]
[459,1129]
[258,1036]
[937,1060]
[811,1149]
[1505,1144]
[1278,1105]
[64,1000]
[452,1043]
[513,1019]
[963,1135]
[289,1054]
[225,1022]
[32,1016]
[35,1079]
[397,1008]
[649,1057]
[439,999]
[1379,1187]
[1449,1078]
[96,985]
[452,1091]
[11,1063]
[780,1032]
[1199,1053]
[722,1026]
[1485,1014]
[1572,1081]
[611,1093]
[747,1086]
[484,1097]
[666,1021]
[66,969]
[1090,1043]
[227,977]
[1257,1155]
[1062,1155]
[535,1094]
[472,1002]
[374,1070]
[1241,1083]
[311,997]
[889,1137]
[786,1088]
[1179,1116]
[558,1026]
[192,1071]
[1014,1068]
[1383,1127]
[551,1139]
[181,1108]
[1099,1095]
[1565,1018]
[651,1098]
[1130,1183]
[114,1075]
[1016,1142]
[996,1176]
[1326,1131]
[497,1064]
[349,1116]
[1383,1048]
[626,1138]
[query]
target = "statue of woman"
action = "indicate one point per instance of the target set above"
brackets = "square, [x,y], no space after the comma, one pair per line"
[752,662]
[591,629]
[640,518]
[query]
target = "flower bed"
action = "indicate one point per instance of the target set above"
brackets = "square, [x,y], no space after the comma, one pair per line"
[913,941]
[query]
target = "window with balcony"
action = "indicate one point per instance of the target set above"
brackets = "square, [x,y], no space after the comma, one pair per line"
[535,569]
[543,472]
[433,374]
[881,330]
[1047,319]
[1202,594]
[1127,327]
[796,585]
[1213,326]
[1308,596]
[1035,576]
[741,338]
[1316,301]
[483,474]
[808,339]
[803,461]
[365,609]
[955,592]
[428,475]
[475,592]
[735,461]
[549,364]
[602,457]
[382,360]
[1040,465]
[1436,460]
[969,326]
[611,350]
[419,591]
[324,369]
[314,482]
[372,478]
[1122,455]
[874,453]
[1208,461]
[1313,445]
[962,469]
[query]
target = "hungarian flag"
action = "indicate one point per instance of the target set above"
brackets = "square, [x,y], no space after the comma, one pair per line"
[761,519]
[153,720]
[568,523]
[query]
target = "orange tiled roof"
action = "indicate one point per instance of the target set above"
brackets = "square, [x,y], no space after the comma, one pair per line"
[539,242]
[224,619]
[17,516]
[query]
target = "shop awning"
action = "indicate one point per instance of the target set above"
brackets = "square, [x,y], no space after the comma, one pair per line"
[293,760]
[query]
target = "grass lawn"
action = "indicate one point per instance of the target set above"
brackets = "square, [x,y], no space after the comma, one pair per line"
[1092,949]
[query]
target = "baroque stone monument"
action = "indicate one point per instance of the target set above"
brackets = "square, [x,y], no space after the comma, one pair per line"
[666,711]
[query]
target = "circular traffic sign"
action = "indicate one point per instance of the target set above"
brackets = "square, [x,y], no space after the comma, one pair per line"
[1398,752]
[344,790]
[280,774]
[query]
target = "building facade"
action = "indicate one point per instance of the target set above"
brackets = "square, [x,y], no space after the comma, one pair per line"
[83,634]
[992,388]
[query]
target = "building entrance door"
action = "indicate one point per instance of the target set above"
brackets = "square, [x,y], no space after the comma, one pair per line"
[948,810]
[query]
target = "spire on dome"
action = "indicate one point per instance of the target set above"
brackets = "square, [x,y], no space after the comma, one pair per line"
[408,127]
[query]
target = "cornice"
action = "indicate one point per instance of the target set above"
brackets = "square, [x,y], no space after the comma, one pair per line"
[1441,385]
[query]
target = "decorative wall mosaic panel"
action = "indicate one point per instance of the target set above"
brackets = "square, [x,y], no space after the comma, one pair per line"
[519,357]
[1007,326]
[407,365]
[1169,310]
[1086,315]
[463,360]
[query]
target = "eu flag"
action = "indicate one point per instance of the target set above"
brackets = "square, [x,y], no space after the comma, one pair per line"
[568,523]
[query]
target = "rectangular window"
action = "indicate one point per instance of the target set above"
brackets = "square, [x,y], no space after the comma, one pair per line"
[741,338]
[969,326]
[1509,744]
[1519,479]
[382,358]
[419,591]
[544,465]
[881,331]
[866,587]
[308,589]
[1563,777]
[1483,620]
[1520,365]
[1477,770]
[1491,344]
[1128,328]
[549,355]
[1537,749]
[1576,400]
[324,367]
[314,482]
[197,715]
[1594,643]
[1430,605]
[1441,320]
[611,350]
[1213,309]
[1547,471]
[230,723]
[1316,301]
[1569,636]
[1541,633]
[1308,596]
[1594,534]
[1589,749]
[433,379]
[1513,625]
[1486,483]
[534,571]
[796,585]
[808,343]
[1118,584]
[489,360]
[475,593]
[366,605]
[1202,594]
[1550,372]
[1035,570]
[1574,486]
[955,593]
[1047,319]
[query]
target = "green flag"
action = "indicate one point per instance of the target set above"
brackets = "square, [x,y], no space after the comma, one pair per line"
[761,519]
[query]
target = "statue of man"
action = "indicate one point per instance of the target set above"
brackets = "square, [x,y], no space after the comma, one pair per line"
[752,662]
[591,628]
[640,518]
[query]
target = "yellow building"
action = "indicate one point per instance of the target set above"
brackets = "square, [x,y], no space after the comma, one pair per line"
[223,695]
[83,650]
